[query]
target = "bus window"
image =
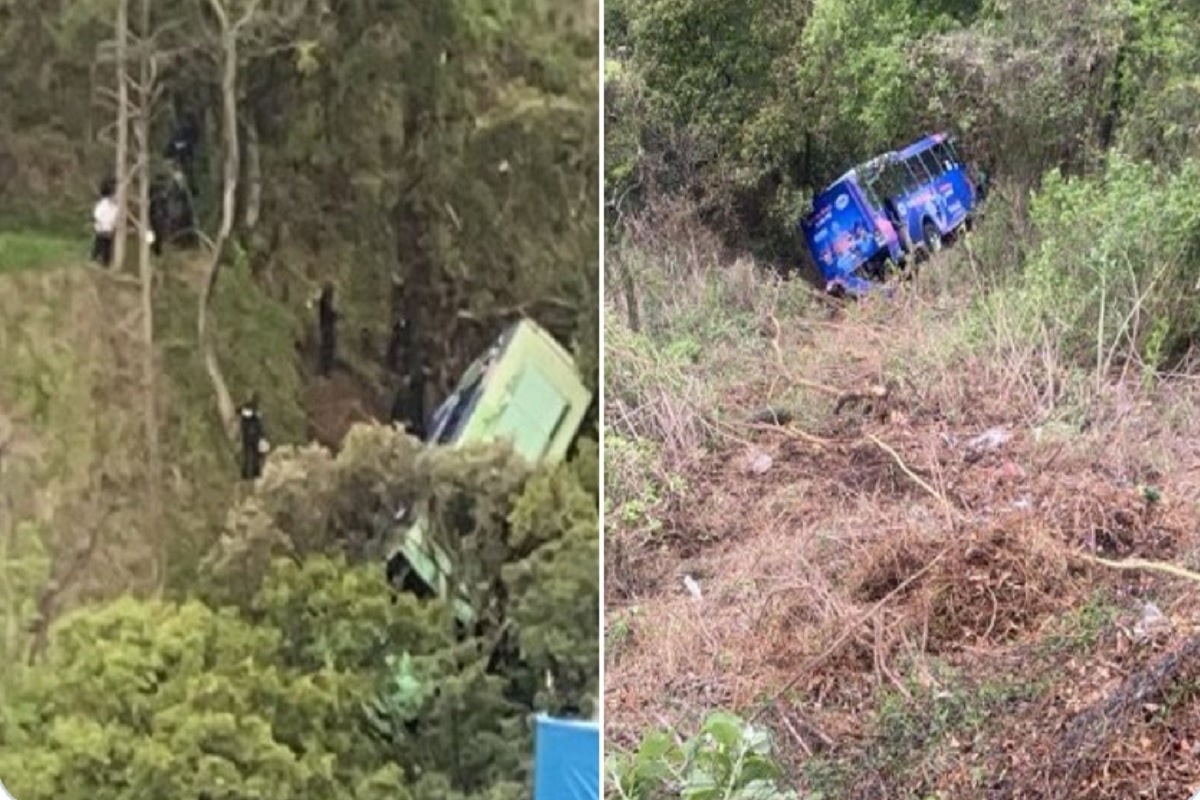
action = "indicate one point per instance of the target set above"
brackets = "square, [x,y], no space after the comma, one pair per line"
[449,419]
[894,180]
[868,187]
[919,173]
[933,165]
[944,156]
[952,149]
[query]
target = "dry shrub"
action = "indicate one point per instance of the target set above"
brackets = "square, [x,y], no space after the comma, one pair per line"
[887,563]
[1088,509]
[995,586]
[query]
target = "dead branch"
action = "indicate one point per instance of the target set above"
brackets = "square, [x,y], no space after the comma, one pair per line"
[1141,563]
[951,511]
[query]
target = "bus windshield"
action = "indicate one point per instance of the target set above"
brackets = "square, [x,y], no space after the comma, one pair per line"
[452,415]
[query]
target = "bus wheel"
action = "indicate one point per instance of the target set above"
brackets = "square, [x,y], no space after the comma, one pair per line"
[933,239]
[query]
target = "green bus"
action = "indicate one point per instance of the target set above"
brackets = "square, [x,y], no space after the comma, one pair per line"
[525,389]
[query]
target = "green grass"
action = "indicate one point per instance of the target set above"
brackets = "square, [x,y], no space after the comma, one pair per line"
[27,250]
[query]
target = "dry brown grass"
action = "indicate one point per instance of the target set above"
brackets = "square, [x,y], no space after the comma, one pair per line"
[879,541]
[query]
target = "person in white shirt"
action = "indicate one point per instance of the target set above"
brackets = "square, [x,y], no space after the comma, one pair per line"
[104,221]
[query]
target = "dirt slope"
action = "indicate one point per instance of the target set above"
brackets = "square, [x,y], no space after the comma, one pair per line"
[902,583]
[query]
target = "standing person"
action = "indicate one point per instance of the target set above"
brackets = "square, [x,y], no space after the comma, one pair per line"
[159,213]
[181,148]
[391,358]
[104,223]
[327,330]
[408,406]
[254,442]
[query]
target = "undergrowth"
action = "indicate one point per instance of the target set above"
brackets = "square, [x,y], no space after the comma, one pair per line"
[1058,325]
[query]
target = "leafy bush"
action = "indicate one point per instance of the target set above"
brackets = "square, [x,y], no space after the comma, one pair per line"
[727,760]
[1112,276]
[299,674]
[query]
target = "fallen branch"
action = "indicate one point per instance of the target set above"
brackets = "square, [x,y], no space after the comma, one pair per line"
[875,393]
[1141,563]
[917,479]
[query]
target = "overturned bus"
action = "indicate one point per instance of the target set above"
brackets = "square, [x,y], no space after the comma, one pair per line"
[525,389]
[889,210]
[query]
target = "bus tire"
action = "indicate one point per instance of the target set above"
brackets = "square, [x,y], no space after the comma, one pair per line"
[932,237]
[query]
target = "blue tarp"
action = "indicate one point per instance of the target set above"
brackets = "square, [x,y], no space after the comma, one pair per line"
[566,760]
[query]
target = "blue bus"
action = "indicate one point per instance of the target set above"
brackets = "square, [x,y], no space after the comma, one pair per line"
[897,206]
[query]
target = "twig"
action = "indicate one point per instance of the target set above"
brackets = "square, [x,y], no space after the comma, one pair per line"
[847,633]
[811,438]
[941,498]
[795,734]
[1141,563]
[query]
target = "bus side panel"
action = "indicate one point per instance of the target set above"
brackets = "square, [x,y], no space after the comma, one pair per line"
[960,197]
[839,232]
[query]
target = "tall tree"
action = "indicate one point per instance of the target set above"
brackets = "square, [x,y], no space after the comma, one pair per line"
[147,96]
[232,33]
[122,154]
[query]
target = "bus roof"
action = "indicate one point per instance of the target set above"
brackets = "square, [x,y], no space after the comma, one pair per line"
[922,144]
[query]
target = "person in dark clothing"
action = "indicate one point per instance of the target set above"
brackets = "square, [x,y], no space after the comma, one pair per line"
[327,330]
[181,148]
[159,213]
[395,347]
[253,438]
[408,405]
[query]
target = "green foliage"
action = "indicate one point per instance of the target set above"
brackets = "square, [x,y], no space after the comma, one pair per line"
[728,759]
[304,675]
[1115,264]
[704,59]
[153,698]
[1157,81]
[526,542]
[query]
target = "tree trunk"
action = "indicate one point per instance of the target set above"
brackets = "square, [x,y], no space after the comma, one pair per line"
[146,277]
[250,213]
[229,176]
[122,173]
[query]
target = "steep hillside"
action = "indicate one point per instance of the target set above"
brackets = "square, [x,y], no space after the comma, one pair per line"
[71,381]
[925,551]
[66,386]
